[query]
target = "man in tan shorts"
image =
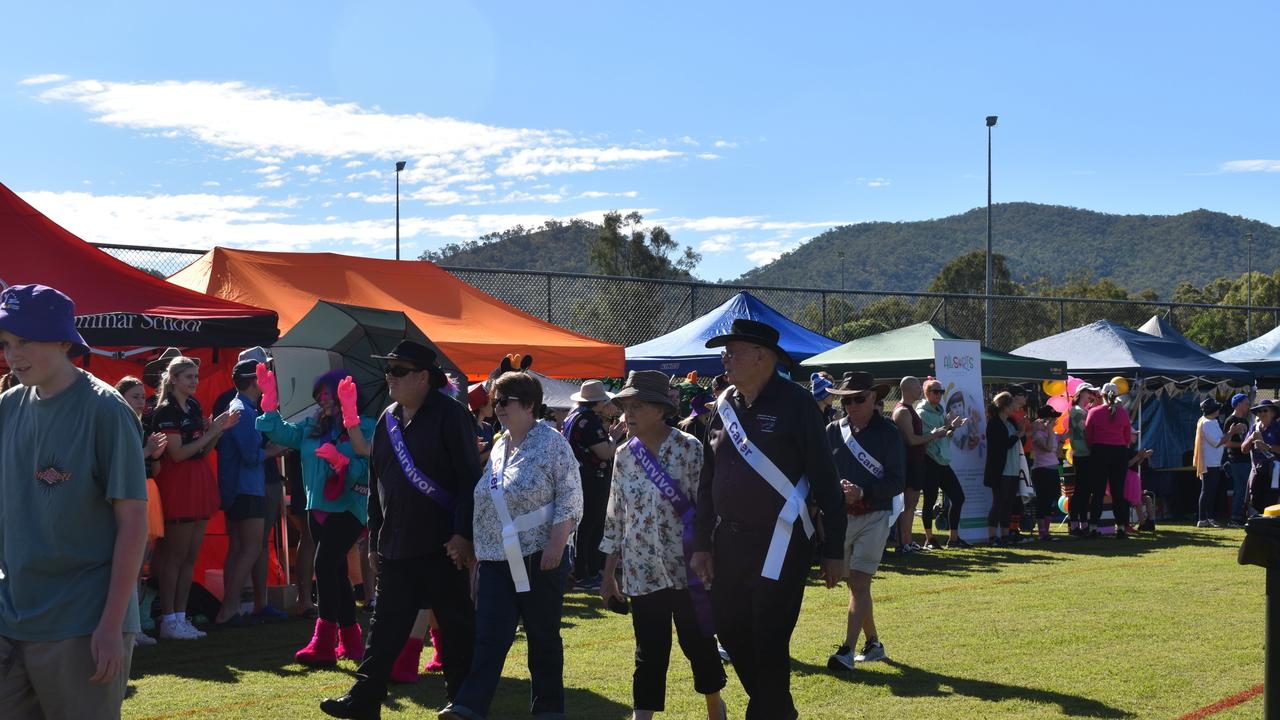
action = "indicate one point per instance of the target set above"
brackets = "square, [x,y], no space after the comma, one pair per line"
[868,453]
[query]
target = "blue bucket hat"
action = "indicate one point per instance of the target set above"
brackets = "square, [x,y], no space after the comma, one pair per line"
[41,313]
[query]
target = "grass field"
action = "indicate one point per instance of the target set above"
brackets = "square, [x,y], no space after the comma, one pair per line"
[1156,627]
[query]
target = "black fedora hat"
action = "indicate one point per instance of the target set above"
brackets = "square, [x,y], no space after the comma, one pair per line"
[857,381]
[419,355]
[756,333]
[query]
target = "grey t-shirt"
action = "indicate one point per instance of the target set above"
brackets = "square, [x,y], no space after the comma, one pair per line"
[62,461]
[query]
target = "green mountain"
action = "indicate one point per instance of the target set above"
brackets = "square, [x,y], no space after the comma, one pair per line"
[553,246]
[1135,251]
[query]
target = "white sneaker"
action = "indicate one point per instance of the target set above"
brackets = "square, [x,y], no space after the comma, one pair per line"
[197,631]
[175,630]
[871,652]
[142,639]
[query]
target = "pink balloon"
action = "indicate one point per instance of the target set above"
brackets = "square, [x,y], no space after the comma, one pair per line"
[1072,384]
[1059,403]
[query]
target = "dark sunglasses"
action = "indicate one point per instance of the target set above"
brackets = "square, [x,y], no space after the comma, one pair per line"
[502,401]
[400,371]
[854,399]
[934,391]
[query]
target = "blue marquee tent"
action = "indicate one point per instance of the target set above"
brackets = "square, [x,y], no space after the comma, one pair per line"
[684,349]
[1160,327]
[1260,355]
[1104,348]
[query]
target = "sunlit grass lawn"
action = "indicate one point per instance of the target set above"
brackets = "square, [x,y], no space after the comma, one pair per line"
[1149,628]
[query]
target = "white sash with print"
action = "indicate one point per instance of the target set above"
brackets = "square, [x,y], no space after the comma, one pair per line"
[511,528]
[873,466]
[794,495]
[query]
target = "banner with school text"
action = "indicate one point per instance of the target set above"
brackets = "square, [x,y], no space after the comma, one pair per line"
[958,364]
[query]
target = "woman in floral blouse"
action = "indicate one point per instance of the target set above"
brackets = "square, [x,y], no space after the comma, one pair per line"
[645,533]
[531,488]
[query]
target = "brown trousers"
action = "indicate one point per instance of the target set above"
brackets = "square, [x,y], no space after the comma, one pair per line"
[50,681]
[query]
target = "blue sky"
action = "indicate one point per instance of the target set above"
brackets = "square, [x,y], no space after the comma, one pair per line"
[744,128]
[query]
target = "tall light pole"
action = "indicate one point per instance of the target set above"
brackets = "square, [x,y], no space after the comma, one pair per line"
[1248,317]
[991,122]
[840,254]
[399,168]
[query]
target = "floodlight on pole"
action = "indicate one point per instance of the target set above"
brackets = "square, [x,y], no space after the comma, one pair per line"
[991,122]
[399,167]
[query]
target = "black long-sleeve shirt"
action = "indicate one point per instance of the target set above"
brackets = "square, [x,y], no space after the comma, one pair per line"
[883,441]
[441,438]
[784,422]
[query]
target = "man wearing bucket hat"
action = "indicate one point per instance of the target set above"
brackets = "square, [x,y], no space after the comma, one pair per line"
[593,448]
[766,454]
[423,467]
[71,468]
[1262,443]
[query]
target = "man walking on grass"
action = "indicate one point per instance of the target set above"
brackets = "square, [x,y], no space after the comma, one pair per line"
[869,456]
[73,520]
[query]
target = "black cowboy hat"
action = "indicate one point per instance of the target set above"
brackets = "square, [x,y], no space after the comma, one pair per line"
[417,354]
[756,333]
[856,381]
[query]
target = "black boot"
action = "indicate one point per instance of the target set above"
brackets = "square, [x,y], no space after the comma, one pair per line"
[353,706]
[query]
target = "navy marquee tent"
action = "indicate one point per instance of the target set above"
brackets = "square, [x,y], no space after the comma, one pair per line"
[1260,355]
[684,349]
[1160,327]
[1104,348]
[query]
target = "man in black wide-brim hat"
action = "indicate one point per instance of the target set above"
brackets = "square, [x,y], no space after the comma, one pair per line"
[766,454]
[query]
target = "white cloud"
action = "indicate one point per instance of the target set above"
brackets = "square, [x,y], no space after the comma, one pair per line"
[1236,166]
[726,144]
[764,257]
[366,175]
[879,182]
[722,223]
[45,79]
[211,183]
[708,156]
[556,161]
[268,127]
[596,194]
[309,169]
[689,141]
[717,243]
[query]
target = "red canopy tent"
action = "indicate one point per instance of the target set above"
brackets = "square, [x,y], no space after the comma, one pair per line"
[127,316]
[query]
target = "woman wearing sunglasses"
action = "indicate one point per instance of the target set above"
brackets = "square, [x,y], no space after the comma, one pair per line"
[938,474]
[334,448]
[527,502]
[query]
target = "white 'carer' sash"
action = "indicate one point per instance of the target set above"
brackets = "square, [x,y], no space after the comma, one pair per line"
[511,527]
[794,495]
[872,465]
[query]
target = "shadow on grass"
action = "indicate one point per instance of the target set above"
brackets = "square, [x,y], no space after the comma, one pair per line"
[984,559]
[914,682]
[511,700]
[225,654]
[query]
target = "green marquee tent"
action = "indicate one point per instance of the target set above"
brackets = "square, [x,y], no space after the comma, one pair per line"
[909,351]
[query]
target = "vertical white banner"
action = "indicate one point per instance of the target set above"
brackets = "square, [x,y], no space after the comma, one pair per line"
[958,364]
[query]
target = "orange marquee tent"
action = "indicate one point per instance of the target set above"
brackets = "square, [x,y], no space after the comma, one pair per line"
[474,329]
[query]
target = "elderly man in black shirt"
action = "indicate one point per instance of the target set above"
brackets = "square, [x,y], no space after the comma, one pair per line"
[766,454]
[870,457]
[424,464]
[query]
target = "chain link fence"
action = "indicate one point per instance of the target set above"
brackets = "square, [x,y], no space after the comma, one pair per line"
[628,311]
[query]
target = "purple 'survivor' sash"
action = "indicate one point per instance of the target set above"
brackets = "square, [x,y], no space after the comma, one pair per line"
[416,477]
[668,488]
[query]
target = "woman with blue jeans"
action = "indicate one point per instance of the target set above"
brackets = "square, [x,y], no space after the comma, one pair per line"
[527,503]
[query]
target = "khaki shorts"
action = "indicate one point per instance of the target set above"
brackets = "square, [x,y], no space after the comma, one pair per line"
[864,541]
[50,681]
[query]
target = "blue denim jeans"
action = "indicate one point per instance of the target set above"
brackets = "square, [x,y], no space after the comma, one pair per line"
[499,608]
[1239,488]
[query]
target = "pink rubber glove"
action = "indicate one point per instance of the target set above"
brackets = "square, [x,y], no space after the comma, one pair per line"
[347,397]
[270,394]
[334,485]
